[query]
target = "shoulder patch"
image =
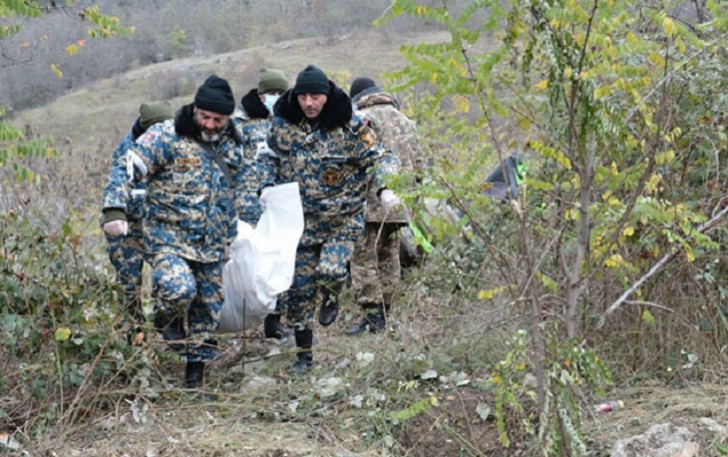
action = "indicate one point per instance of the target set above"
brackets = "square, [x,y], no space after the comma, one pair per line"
[147,137]
[367,136]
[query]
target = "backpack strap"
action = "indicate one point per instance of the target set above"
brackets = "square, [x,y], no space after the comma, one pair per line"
[217,158]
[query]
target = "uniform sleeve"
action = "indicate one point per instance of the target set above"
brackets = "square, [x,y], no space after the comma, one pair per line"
[133,163]
[115,195]
[268,157]
[386,165]
[383,160]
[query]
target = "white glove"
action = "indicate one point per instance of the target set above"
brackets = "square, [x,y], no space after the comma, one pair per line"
[389,199]
[116,228]
[263,199]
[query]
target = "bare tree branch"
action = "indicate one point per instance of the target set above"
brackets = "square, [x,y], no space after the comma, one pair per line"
[659,265]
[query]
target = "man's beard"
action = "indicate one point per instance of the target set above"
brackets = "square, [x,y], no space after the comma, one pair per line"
[207,138]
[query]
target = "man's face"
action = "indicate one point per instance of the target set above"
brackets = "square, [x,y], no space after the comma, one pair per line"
[312,104]
[211,124]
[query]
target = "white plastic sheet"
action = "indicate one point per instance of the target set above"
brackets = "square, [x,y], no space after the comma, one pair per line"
[262,261]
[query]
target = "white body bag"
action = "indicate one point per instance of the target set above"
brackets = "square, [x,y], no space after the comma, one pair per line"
[262,260]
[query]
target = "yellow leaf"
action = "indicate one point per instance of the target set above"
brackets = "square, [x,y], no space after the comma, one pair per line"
[602,92]
[524,123]
[572,214]
[72,49]
[613,261]
[568,72]
[647,317]
[462,104]
[56,71]
[543,84]
[669,26]
[433,401]
[62,334]
[606,195]
[489,294]
[657,59]
[653,184]
[628,231]
[689,254]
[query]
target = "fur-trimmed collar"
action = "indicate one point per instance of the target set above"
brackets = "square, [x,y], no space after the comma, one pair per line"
[253,107]
[337,111]
[137,130]
[184,125]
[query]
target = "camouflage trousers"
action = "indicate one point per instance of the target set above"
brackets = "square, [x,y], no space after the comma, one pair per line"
[195,290]
[126,253]
[320,269]
[375,268]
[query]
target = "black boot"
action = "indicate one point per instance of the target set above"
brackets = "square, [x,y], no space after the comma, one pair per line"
[304,356]
[329,308]
[172,328]
[373,321]
[272,327]
[194,375]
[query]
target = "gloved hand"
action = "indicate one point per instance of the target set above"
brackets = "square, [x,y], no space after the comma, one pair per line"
[389,199]
[263,200]
[116,228]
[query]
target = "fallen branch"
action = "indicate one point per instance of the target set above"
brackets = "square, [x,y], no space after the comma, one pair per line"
[659,265]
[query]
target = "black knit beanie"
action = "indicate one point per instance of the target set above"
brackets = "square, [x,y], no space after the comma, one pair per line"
[311,80]
[359,85]
[215,95]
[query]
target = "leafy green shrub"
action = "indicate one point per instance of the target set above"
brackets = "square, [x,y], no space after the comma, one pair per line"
[62,333]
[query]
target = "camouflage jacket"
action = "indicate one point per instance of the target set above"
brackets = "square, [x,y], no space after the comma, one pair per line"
[137,193]
[190,207]
[331,161]
[252,121]
[396,132]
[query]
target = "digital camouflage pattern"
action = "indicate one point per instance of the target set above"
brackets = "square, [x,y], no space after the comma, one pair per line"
[252,121]
[331,161]
[322,265]
[126,252]
[332,169]
[191,216]
[180,284]
[375,265]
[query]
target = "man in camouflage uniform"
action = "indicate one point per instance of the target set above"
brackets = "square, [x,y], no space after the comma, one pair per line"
[126,252]
[316,141]
[375,265]
[252,121]
[190,165]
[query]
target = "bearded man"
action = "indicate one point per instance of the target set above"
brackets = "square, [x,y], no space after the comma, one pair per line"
[190,165]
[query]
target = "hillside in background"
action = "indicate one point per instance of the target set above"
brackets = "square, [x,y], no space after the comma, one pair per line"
[503,341]
[87,123]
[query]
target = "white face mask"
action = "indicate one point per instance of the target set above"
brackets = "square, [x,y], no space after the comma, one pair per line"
[269,101]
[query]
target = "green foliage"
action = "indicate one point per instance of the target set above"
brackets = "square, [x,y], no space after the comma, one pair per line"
[414,410]
[574,374]
[179,42]
[61,329]
[618,108]
[13,142]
